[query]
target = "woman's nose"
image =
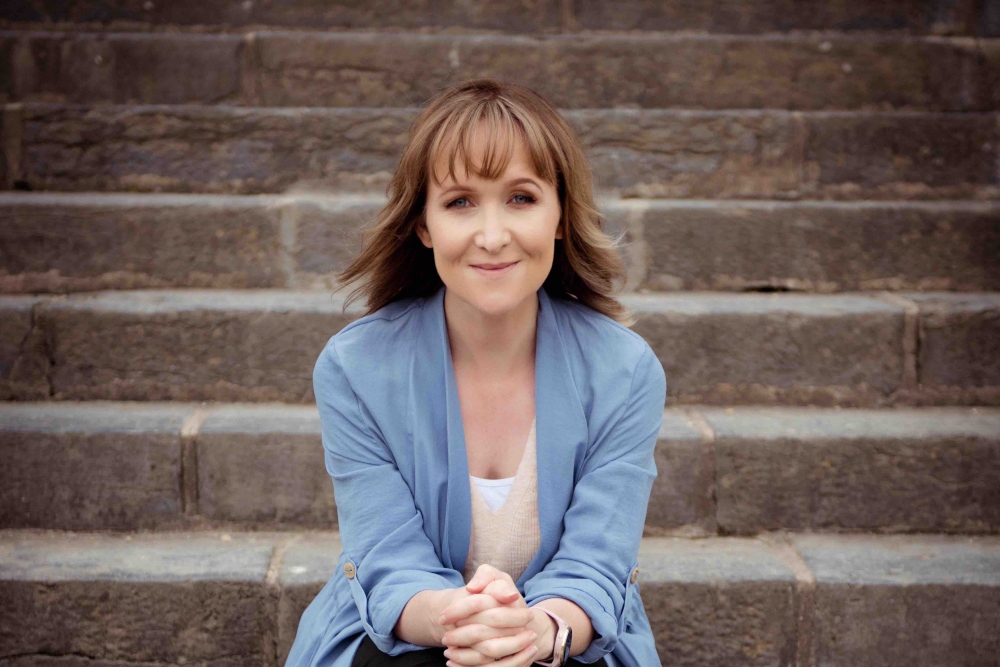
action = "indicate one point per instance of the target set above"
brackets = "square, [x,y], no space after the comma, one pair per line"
[493,233]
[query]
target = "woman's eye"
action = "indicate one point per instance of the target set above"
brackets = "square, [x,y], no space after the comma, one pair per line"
[527,199]
[453,202]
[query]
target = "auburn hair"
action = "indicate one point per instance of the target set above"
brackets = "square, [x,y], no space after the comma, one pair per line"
[394,264]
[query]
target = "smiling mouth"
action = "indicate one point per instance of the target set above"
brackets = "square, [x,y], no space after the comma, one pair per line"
[494,267]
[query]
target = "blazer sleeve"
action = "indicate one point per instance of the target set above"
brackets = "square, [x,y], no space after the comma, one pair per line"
[381,529]
[603,525]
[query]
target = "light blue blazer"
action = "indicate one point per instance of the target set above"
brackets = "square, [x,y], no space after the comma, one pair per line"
[395,449]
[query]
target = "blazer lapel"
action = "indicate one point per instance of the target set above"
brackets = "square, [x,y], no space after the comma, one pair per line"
[560,435]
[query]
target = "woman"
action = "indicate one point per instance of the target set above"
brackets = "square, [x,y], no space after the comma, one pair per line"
[489,424]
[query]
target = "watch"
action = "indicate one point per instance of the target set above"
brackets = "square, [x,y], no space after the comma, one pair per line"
[561,645]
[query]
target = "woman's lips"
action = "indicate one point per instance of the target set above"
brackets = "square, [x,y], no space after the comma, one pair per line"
[503,270]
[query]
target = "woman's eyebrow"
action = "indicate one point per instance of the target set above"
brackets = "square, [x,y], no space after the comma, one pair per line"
[510,183]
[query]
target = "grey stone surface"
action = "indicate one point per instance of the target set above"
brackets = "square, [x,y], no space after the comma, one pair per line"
[176,598]
[935,17]
[365,69]
[124,68]
[718,601]
[671,153]
[931,469]
[959,339]
[507,15]
[773,348]
[90,467]
[327,234]
[745,16]
[23,361]
[915,600]
[264,464]
[627,70]
[85,242]
[306,567]
[681,498]
[256,345]
[820,246]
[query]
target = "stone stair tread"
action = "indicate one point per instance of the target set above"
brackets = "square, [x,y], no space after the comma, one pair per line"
[33,555]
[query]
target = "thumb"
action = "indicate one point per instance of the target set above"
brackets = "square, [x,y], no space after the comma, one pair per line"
[478,582]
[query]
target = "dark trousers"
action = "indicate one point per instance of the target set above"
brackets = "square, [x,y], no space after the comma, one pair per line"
[369,655]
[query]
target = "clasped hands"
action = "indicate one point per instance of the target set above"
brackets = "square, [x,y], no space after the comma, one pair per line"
[489,623]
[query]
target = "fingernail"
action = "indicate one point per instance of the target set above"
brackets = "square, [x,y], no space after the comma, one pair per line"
[532,649]
[441,619]
[534,636]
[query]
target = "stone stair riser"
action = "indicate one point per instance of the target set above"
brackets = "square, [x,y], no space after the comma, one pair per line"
[634,152]
[789,599]
[357,69]
[853,350]
[123,466]
[744,16]
[70,243]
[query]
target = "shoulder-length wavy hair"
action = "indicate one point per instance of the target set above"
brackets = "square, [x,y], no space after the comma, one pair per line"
[394,264]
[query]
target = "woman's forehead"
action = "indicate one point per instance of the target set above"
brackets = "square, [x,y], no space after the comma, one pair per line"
[513,150]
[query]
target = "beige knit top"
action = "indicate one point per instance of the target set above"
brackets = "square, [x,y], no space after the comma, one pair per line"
[508,538]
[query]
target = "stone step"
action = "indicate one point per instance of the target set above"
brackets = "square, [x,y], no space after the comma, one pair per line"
[236,598]
[399,69]
[850,349]
[634,152]
[964,17]
[55,242]
[733,471]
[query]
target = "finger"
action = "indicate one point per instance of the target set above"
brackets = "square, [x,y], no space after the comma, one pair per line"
[501,647]
[485,573]
[502,590]
[458,655]
[465,607]
[522,658]
[500,617]
[467,635]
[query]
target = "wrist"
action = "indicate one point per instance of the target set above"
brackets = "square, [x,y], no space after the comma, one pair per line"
[543,625]
[440,600]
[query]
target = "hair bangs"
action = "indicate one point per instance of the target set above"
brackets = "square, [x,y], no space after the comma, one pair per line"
[503,129]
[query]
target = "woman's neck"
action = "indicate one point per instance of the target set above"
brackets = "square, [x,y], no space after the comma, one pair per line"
[491,346]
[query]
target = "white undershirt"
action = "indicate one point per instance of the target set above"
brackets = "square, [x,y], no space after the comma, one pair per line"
[493,491]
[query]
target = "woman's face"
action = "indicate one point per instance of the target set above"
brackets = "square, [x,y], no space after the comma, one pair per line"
[510,224]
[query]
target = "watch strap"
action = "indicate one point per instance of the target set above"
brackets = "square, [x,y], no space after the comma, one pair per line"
[561,627]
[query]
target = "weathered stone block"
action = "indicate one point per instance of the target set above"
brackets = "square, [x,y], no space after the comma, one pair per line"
[114,467]
[773,348]
[143,598]
[822,247]
[87,242]
[24,362]
[681,498]
[930,470]
[959,339]
[914,600]
[718,601]
[264,464]
[306,567]
[240,345]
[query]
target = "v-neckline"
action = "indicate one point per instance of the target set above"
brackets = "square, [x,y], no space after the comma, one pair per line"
[519,476]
